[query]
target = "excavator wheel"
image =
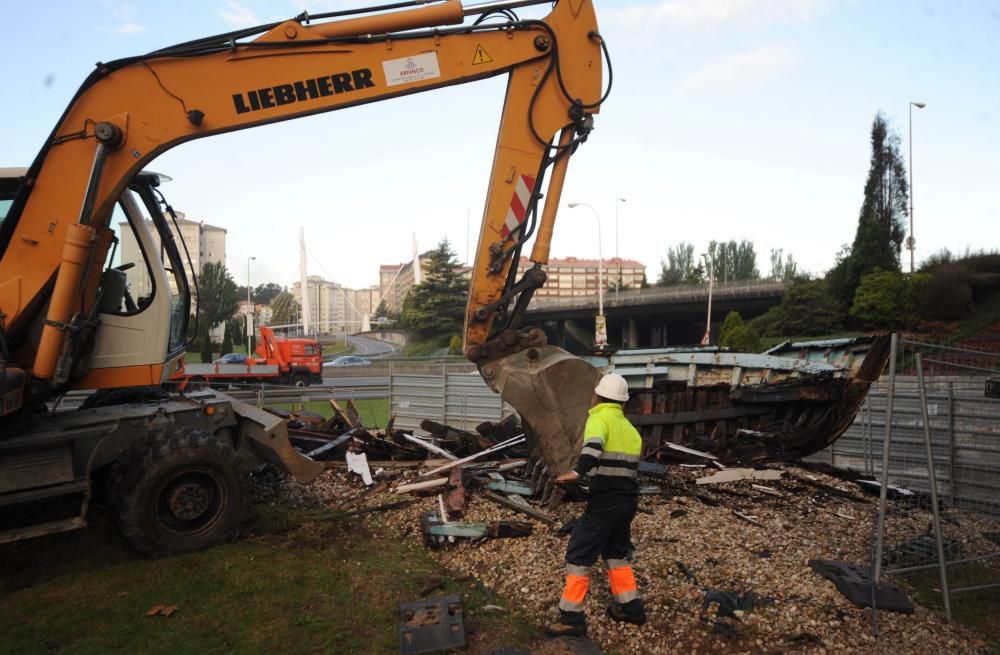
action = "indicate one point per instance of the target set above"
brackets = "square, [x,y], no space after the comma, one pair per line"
[180,492]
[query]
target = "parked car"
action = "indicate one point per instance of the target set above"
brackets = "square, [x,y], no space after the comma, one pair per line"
[232,358]
[348,360]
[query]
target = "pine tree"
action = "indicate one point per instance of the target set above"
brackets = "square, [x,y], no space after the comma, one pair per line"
[227,340]
[881,223]
[435,308]
[206,341]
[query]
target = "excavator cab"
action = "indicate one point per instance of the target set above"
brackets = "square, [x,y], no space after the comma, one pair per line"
[144,295]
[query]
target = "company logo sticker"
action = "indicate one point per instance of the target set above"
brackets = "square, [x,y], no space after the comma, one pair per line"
[411,69]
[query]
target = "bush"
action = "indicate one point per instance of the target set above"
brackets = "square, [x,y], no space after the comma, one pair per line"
[887,299]
[809,308]
[738,335]
[455,345]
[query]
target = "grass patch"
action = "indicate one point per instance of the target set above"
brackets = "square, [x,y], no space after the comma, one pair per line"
[304,581]
[374,411]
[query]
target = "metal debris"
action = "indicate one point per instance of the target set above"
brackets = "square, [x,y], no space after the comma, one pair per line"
[431,625]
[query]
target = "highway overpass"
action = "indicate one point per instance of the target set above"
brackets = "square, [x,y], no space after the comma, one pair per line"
[651,318]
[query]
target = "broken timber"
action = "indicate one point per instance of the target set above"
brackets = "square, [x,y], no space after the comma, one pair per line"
[733,475]
[522,507]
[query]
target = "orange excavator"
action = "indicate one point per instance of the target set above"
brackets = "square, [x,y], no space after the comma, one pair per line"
[84,308]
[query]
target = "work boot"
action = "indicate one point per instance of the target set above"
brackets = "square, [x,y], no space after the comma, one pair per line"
[571,624]
[554,630]
[631,612]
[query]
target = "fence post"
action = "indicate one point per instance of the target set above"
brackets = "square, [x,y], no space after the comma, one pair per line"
[390,388]
[932,479]
[883,488]
[951,443]
[444,394]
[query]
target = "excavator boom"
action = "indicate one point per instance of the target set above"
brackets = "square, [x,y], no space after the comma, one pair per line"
[65,313]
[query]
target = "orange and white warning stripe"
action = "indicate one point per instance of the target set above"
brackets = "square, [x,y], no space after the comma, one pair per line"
[518,209]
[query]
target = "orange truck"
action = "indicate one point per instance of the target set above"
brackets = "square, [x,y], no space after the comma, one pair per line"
[291,362]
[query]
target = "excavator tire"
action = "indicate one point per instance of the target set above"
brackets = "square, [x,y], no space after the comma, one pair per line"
[180,492]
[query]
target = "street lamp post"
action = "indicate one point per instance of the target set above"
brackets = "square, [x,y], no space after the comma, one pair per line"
[249,309]
[600,325]
[707,338]
[911,242]
[619,283]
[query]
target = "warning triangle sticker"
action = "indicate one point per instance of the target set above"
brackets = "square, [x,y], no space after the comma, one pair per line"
[481,56]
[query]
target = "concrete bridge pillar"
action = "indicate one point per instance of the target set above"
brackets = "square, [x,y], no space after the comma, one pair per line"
[633,333]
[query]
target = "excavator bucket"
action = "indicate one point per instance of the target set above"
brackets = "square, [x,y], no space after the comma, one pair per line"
[552,391]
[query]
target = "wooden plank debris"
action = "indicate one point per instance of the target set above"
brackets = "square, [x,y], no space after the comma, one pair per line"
[767,490]
[489,451]
[421,486]
[370,491]
[746,517]
[507,486]
[455,498]
[733,475]
[427,445]
[522,507]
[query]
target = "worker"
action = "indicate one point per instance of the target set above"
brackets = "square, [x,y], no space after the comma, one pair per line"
[611,449]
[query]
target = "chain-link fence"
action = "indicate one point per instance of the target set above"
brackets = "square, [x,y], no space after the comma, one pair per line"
[936,465]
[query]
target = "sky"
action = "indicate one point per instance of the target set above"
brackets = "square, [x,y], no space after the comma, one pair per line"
[728,119]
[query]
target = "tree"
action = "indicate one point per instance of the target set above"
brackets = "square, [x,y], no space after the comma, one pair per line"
[217,294]
[237,326]
[284,309]
[737,335]
[783,267]
[262,294]
[807,309]
[435,308]
[733,261]
[227,340]
[879,235]
[679,265]
[205,341]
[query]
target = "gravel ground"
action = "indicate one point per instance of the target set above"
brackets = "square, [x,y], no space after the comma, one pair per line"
[718,550]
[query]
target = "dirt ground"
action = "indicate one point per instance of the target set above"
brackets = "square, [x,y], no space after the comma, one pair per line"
[688,540]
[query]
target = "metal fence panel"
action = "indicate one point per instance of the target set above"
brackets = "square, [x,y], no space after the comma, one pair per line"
[461,400]
[965,438]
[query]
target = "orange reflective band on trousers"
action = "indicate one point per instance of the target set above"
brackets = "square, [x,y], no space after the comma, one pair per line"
[575,593]
[622,583]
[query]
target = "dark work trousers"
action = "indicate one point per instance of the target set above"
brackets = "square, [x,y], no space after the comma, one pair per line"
[604,530]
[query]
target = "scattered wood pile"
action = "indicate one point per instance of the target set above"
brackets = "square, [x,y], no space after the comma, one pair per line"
[328,439]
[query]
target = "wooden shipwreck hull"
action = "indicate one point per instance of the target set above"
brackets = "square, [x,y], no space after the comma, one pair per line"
[786,403]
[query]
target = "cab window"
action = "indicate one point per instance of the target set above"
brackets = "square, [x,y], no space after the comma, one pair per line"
[130,258]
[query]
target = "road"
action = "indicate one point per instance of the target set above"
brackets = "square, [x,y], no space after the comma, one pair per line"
[365,347]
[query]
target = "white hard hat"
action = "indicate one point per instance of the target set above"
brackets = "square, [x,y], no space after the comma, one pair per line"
[613,387]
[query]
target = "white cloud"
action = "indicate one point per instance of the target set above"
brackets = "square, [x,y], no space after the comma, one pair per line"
[124,23]
[236,15]
[713,14]
[742,70]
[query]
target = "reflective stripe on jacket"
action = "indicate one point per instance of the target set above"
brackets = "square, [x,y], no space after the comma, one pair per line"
[611,447]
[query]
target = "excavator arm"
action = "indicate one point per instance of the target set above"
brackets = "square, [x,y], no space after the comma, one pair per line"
[55,238]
